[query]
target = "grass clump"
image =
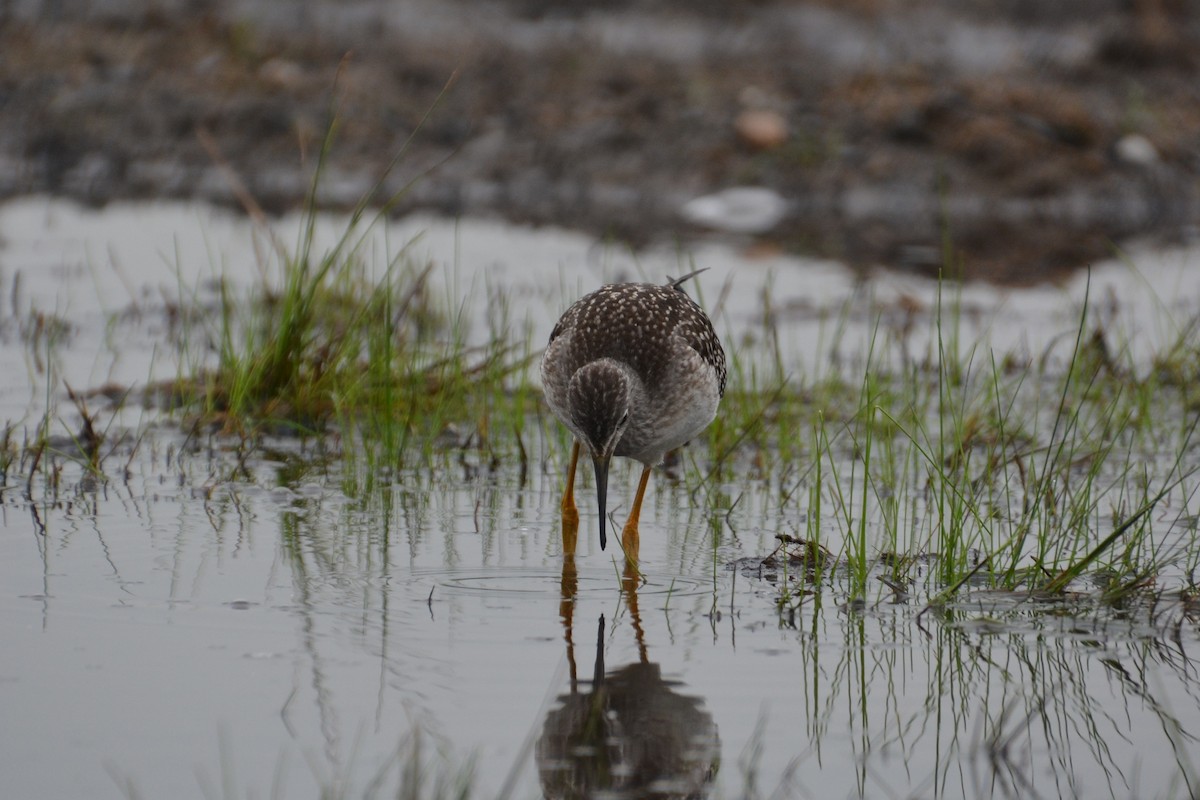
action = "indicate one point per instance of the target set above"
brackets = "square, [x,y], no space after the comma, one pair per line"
[337,349]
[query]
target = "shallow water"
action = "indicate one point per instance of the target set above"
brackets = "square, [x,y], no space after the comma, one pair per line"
[172,632]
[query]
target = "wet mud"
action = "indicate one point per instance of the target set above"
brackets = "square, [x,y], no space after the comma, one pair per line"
[1007,141]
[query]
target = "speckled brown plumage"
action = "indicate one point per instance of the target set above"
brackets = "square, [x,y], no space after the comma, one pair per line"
[631,322]
[633,369]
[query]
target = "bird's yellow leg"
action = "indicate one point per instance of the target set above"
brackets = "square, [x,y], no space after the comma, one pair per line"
[568,499]
[570,514]
[630,539]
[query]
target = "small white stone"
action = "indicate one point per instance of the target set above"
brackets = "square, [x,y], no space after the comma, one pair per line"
[1134,148]
[740,209]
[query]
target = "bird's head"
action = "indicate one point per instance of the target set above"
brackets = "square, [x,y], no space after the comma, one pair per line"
[598,396]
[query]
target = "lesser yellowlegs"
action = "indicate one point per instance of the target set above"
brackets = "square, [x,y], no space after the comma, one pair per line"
[636,370]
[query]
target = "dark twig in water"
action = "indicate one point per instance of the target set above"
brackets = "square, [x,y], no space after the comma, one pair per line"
[38,450]
[948,593]
[523,458]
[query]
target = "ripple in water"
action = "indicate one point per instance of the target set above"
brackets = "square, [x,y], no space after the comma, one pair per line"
[534,582]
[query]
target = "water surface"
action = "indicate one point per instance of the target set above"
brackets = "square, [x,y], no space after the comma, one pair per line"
[178,628]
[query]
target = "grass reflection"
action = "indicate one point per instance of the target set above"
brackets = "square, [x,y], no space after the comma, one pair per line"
[997,697]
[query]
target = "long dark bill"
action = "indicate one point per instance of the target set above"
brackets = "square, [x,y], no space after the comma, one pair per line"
[601,465]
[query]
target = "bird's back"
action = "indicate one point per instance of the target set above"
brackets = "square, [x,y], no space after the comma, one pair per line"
[635,323]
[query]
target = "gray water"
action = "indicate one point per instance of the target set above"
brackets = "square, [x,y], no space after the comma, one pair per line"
[172,631]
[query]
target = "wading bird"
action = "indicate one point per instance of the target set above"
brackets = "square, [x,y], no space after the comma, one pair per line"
[635,370]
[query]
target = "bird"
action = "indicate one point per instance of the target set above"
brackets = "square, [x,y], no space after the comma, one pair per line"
[633,370]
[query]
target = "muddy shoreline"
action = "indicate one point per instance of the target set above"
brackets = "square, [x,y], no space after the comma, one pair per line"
[1007,141]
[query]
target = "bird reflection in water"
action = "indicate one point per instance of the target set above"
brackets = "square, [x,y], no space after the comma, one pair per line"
[626,733]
